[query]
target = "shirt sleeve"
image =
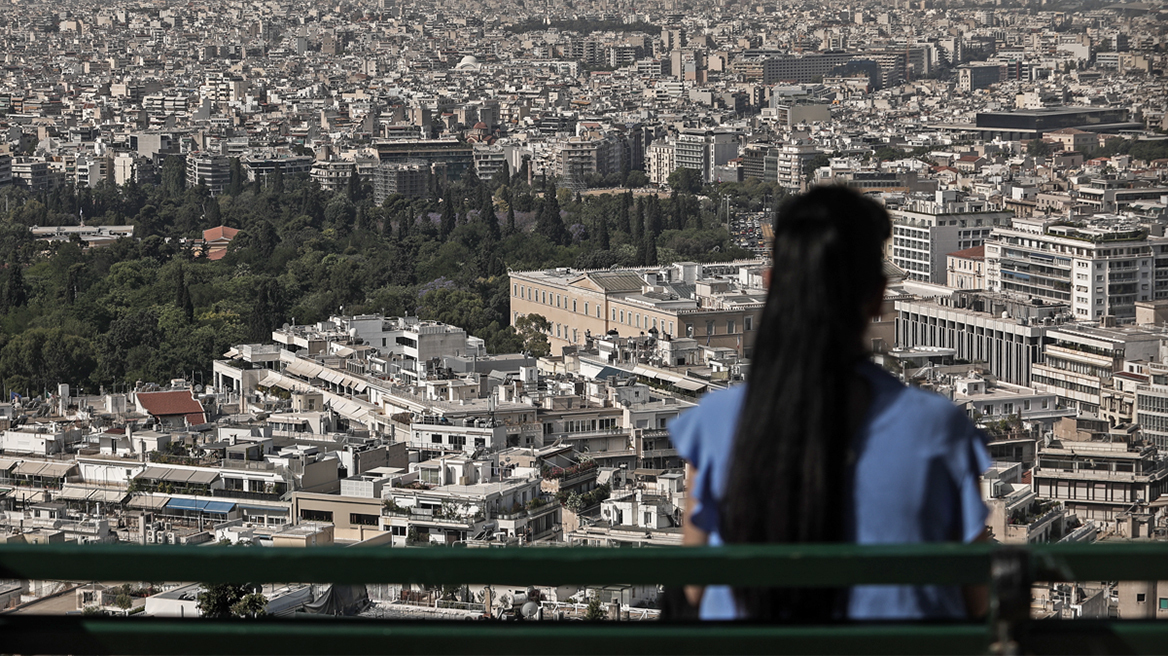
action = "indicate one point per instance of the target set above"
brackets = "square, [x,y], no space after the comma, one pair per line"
[969,459]
[686,435]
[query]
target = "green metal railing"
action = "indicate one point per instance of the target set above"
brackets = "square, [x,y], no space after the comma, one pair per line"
[1008,571]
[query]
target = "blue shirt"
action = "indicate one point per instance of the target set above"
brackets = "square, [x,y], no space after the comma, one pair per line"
[916,479]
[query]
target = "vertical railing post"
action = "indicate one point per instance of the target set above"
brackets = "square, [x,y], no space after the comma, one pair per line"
[1010,579]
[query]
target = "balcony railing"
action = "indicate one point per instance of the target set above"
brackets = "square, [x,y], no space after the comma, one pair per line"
[1009,571]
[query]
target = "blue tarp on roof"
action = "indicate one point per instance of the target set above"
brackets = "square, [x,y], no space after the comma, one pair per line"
[186,504]
[220,507]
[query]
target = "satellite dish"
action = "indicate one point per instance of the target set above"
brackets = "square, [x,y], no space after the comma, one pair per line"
[529,610]
[198,389]
[286,326]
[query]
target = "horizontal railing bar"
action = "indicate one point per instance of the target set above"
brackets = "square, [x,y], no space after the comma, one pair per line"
[79,635]
[805,565]
[1102,561]
[802,565]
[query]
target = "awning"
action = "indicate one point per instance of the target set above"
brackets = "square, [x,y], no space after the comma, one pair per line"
[186,504]
[57,469]
[303,369]
[108,496]
[231,353]
[30,468]
[202,477]
[6,464]
[148,501]
[154,473]
[30,496]
[691,385]
[73,494]
[268,510]
[219,507]
[331,376]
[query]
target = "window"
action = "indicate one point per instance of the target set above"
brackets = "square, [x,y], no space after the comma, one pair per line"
[458,440]
[670,327]
[709,327]
[614,314]
[1163,603]
[1141,597]
[574,306]
[435,438]
[729,326]
[514,290]
[316,515]
[622,316]
[689,330]
[638,320]
[358,519]
[597,310]
[557,300]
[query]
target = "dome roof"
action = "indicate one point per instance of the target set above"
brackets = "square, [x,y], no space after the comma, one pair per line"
[469,60]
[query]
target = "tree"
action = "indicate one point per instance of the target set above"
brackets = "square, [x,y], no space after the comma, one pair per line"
[353,189]
[13,292]
[174,176]
[235,186]
[549,222]
[636,179]
[449,219]
[685,180]
[183,295]
[223,600]
[488,216]
[1039,148]
[533,328]
[595,610]
[251,605]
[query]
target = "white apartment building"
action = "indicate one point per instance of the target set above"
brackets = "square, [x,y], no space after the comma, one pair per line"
[701,150]
[659,162]
[1081,359]
[925,231]
[1101,267]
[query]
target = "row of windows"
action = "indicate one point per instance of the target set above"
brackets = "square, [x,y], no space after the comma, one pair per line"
[588,425]
[1069,386]
[557,300]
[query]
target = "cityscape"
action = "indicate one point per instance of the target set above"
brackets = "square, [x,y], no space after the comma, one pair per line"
[439,275]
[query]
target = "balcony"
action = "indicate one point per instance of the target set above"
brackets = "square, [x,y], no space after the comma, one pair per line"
[1008,571]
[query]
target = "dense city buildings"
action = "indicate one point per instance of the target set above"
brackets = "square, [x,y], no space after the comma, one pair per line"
[279,273]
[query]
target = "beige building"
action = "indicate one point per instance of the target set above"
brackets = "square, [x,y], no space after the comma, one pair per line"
[710,303]
[966,268]
[1143,600]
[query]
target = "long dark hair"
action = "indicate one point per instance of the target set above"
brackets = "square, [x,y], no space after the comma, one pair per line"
[787,478]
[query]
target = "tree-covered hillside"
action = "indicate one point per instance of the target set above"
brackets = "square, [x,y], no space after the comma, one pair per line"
[154,307]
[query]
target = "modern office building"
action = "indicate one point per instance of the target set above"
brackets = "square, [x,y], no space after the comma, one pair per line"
[1033,123]
[1007,334]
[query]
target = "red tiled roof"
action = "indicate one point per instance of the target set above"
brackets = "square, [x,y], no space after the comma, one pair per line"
[171,404]
[220,232]
[975,253]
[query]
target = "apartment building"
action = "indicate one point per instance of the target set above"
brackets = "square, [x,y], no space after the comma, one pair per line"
[1101,267]
[410,179]
[333,176]
[704,302]
[209,169]
[966,269]
[1098,476]
[701,150]
[5,170]
[925,230]
[1080,360]
[660,161]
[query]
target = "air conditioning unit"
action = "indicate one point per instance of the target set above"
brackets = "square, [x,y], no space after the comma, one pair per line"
[170,538]
[149,536]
